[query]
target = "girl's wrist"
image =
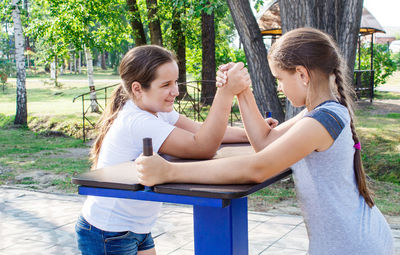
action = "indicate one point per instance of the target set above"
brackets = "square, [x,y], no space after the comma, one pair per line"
[246,91]
[170,175]
[226,92]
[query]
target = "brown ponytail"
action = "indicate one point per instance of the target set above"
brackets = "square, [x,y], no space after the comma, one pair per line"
[316,50]
[117,101]
[139,64]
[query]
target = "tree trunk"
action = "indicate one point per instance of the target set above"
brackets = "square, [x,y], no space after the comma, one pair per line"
[208,69]
[89,64]
[341,19]
[103,61]
[154,23]
[75,60]
[53,71]
[80,62]
[136,23]
[21,115]
[293,15]
[70,63]
[53,65]
[62,67]
[179,46]
[98,60]
[256,55]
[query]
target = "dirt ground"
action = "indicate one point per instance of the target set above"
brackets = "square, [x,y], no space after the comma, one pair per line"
[380,106]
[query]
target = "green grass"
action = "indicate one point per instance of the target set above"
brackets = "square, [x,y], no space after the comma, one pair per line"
[100,74]
[23,150]
[384,95]
[380,139]
[23,141]
[387,197]
[50,108]
[275,193]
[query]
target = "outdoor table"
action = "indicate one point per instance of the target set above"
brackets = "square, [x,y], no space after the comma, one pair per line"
[219,211]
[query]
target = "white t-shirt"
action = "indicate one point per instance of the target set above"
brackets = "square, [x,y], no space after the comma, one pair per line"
[123,142]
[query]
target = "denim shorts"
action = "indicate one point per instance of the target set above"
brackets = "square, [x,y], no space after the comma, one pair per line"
[94,241]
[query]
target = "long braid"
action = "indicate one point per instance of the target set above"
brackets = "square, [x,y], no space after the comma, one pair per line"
[316,50]
[344,96]
[117,101]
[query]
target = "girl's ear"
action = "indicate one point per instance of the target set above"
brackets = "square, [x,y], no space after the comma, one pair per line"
[304,75]
[137,89]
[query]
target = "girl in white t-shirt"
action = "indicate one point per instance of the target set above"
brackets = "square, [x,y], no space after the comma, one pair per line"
[142,106]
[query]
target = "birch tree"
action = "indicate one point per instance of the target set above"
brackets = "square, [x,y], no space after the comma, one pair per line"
[89,64]
[22,112]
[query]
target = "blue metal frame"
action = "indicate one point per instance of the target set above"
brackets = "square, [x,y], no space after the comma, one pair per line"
[220,225]
[153,196]
[221,231]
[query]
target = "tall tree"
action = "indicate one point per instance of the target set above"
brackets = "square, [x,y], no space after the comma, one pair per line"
[21,115]
[136,23]
[208,69]
[154,22]
[103,60]
[340,18]
[256,55]
[179,45]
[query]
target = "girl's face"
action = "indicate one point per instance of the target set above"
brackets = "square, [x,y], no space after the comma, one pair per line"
[161,95]
[292,84]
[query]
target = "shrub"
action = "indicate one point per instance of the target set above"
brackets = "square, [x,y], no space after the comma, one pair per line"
[384,65]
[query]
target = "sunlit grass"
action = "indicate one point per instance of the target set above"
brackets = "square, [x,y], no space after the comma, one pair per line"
[52,108]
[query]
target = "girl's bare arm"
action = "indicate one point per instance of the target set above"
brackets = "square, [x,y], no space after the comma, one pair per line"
[306,136]
[207,139]
[259,132]
[232,134]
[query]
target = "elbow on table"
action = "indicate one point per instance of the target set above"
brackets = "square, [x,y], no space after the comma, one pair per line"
[257,177]
[258,172]
[198,152]
[203,155]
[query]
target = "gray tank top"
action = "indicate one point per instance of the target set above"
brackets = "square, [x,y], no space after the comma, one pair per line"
[337,218]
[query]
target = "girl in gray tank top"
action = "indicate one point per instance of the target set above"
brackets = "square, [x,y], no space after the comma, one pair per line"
[320,144]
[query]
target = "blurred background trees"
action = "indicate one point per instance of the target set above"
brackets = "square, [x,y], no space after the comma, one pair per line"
[68,36]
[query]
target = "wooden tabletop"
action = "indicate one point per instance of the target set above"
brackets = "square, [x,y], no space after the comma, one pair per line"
[126,178]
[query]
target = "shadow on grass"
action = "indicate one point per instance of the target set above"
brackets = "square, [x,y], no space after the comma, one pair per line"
[22,151]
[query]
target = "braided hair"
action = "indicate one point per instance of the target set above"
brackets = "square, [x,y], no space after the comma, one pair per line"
[316,50]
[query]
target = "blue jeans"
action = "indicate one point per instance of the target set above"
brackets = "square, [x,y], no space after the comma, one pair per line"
[94,241]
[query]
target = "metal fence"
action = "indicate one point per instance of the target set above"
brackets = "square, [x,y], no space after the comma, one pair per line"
[101,101]
[190,104]
[363,82]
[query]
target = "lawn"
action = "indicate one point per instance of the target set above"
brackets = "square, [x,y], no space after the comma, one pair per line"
[48,146]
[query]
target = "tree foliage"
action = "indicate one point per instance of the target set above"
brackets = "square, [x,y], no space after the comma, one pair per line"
[384,64]
[65,24]
[396,59]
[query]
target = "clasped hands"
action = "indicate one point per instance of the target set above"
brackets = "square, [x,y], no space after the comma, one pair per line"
[234,77]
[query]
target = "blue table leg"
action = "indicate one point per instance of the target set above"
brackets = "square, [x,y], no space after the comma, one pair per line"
[221,231]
